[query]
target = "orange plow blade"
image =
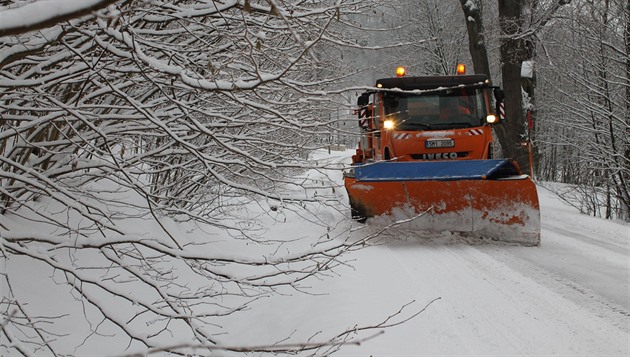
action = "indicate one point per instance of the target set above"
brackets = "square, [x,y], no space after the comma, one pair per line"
[482,198]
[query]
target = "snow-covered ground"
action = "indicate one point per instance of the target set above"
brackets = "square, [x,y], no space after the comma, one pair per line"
[567,297]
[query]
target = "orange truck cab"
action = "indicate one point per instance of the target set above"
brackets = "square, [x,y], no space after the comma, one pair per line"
[428,118]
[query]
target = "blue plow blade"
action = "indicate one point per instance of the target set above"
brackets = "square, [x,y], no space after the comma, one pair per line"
[436,171]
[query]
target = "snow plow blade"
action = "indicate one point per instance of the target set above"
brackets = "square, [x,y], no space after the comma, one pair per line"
[482,198]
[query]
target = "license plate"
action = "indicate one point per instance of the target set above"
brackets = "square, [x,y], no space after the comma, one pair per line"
[439,143]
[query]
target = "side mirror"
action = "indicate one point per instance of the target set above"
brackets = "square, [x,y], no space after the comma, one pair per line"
[363,100]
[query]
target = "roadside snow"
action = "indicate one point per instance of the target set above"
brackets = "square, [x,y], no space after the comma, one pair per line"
[567,297]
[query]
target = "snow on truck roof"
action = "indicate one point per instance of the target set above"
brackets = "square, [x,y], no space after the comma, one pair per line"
[432,82]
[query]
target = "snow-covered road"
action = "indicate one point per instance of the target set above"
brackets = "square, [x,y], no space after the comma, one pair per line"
[568,297]
[561,298]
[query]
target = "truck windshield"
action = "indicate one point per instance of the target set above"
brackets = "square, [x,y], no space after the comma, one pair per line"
[449,109]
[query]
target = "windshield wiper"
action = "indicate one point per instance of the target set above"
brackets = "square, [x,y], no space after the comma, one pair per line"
[421,125]
[455,125]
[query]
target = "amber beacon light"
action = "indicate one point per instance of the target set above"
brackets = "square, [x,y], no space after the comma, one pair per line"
[461,68]
[401,71]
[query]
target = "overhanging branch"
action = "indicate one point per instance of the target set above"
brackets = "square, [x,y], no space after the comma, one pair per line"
[43,14]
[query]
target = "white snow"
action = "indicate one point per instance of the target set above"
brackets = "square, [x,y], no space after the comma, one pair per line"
[470,4]
[567,297]
[41,11]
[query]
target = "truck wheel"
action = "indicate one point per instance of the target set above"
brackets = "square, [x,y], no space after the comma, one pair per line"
[357,213]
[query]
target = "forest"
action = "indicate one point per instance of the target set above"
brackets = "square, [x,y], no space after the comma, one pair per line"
[186,110]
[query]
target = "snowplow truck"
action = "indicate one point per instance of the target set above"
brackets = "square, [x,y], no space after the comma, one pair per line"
[426,156]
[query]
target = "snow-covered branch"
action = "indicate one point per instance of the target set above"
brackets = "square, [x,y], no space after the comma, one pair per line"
[42,14]
[121,122]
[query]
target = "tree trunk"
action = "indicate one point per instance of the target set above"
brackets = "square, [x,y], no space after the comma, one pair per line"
[624,193]
[514,50]
[473,11]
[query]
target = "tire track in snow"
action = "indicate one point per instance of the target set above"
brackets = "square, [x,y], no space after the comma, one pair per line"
[574,290]
[497,303]
[571,288]
[506,300]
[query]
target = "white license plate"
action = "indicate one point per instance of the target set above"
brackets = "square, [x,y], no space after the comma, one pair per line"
[439,143]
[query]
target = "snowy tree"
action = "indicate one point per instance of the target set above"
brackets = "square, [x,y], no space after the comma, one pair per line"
[519,24]
[438,24]
[585,86]
[584,126]
[477,43]
[154,114]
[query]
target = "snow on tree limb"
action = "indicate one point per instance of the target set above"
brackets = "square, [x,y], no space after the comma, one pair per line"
[42,14]
[120,128]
